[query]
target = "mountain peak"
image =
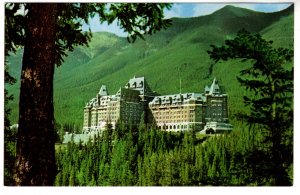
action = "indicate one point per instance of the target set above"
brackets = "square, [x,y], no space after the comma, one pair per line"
[233,10]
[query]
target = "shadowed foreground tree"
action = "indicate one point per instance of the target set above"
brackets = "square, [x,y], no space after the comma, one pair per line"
[271,79]
[13,39]
[9,133]
[47,31]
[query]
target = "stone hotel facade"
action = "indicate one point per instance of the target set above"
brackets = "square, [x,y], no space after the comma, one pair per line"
[136,101]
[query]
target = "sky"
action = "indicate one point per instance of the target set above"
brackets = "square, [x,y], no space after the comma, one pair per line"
[184,10]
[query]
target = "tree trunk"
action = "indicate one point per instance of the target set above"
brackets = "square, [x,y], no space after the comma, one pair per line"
[35,162]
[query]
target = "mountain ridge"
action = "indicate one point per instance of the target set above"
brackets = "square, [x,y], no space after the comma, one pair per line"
[165,58]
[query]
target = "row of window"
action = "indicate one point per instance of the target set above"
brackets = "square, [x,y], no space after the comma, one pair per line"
[113,108]
[175,121]
[174,127]
[173,116]
[172,106]
[217,105]
[170,112]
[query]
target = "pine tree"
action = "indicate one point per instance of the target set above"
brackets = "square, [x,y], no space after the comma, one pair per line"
[166,162]
[13,40]
[271,80]
[72,177]
[140,176]
[199,165]
[58,179]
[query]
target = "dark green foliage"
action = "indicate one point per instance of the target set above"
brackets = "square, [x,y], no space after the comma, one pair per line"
[158,158]
[138,18]
[9,154]
[9,134]
[270,78]
[13,39]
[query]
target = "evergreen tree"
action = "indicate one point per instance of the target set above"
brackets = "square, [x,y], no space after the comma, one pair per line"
[140,172]
[199,165]
[58,179]
[13,40]
[222,160]
[271,79]
[72,178]
[166,177]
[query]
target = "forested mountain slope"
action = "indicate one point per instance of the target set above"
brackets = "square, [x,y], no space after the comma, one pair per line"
[163,58]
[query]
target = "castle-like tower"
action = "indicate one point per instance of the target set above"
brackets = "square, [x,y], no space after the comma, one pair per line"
[136,101]
[189,111]
[126,106]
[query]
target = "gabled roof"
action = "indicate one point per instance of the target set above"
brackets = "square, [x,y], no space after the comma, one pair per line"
[103,91]
[140,84]
[177,98]
[207,89]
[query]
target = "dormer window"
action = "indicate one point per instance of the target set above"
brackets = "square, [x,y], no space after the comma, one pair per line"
[134,85]
[141,84]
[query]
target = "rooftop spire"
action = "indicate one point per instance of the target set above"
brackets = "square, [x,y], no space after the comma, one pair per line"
[214,88]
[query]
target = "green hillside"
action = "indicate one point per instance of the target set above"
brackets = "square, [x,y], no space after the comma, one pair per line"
[164,58]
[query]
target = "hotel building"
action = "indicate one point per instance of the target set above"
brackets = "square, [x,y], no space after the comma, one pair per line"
[177,112]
